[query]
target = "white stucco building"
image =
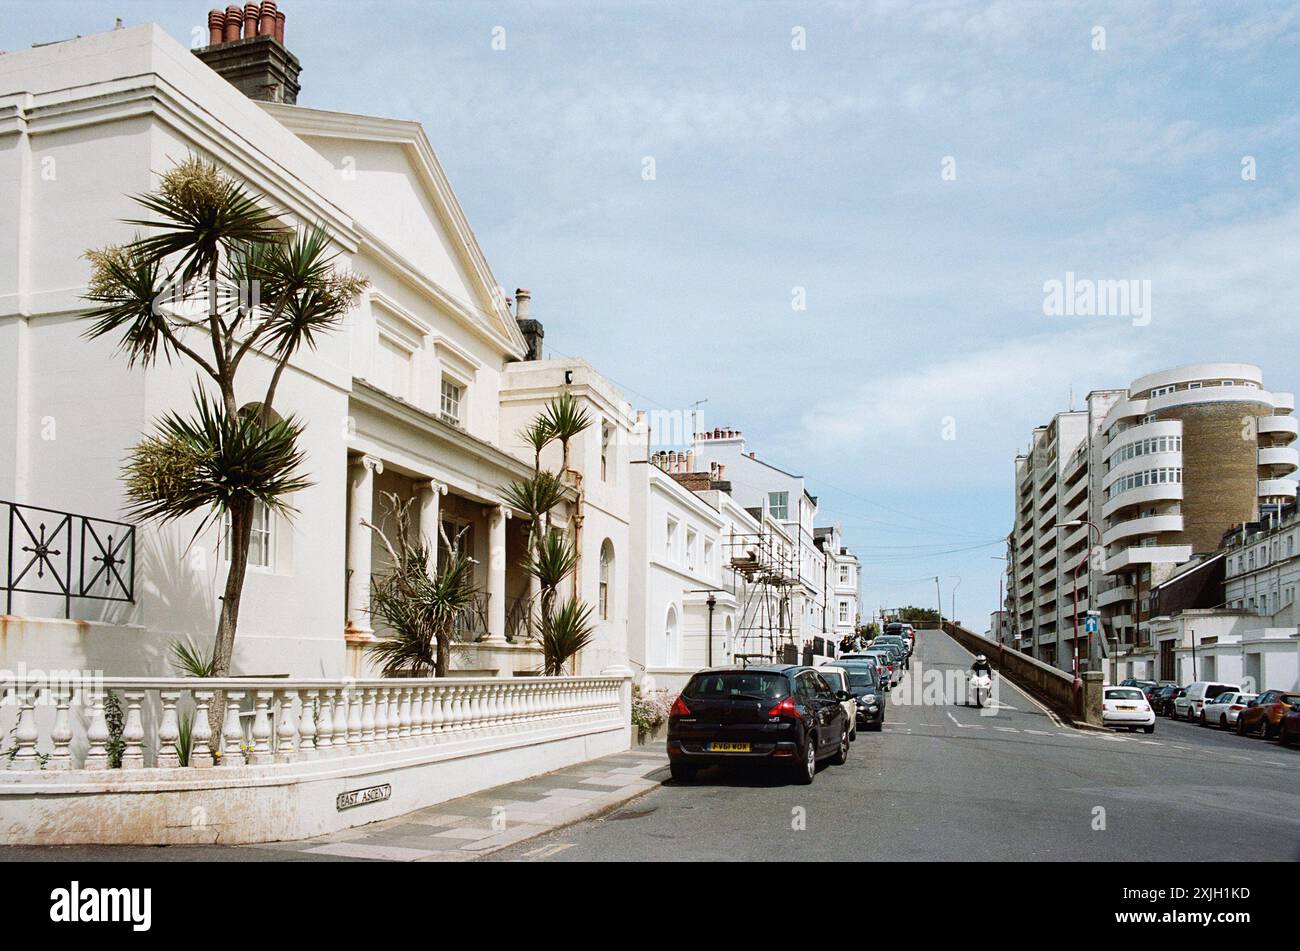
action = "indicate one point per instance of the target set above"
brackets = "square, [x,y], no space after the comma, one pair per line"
[761,486]
[417,395]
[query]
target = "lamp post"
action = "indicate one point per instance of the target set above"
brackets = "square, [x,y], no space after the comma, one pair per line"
[938,593]
[954,598]
[1077,523]
[1002,608]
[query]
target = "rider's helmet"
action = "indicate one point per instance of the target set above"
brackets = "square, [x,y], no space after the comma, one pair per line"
[980,658]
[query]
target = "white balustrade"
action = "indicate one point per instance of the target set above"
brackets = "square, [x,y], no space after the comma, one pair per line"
[143,723]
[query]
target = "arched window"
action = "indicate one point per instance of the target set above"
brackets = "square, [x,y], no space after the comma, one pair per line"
[606,577]
[670,637]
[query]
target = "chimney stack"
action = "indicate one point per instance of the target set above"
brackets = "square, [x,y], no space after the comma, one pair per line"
[246,46]
[531,329]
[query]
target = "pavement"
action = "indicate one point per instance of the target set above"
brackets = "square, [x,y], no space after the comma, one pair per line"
[455,831]
[943,782]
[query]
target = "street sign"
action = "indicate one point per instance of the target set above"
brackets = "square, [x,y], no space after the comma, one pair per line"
[1092,624]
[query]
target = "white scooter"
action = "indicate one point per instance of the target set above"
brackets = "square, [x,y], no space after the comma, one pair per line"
[977,689]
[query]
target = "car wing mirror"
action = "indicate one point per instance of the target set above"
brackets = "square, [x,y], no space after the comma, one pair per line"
[843,695]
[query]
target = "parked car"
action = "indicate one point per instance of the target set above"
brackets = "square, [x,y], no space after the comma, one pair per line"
[1222,710]
[868,695]
[1163,701]
[1126,708]
[784,716]
[1155,688]
[1264,714]
[890,640]
[838,679]
[888,669]
[1142,685]
[1288,730]
[896,647]
[1188,706]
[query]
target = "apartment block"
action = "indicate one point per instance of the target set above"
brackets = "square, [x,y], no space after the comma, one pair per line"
[1112,498]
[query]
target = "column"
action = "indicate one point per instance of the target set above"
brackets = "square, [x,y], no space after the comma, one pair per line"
[496,587]
[361,495]
[429,496]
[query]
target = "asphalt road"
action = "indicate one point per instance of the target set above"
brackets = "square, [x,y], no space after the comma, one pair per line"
[943,782]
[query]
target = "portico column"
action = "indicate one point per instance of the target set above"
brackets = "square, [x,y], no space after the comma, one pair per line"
[496,587]
[430,496]
[361,494]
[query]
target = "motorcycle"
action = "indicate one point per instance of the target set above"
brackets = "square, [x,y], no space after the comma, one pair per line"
[977,689]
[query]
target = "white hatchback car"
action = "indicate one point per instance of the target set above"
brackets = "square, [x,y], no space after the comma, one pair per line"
[1224,709]
[838,678]
[1126,708]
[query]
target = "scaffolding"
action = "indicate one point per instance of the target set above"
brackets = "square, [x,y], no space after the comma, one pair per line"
[764,573]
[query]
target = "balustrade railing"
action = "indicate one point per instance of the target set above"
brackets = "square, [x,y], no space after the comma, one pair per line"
[161,722]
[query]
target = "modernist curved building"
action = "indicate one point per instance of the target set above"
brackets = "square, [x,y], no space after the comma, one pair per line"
[1189,453]
[1161,470]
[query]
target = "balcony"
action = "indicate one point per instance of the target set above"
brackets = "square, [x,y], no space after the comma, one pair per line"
[1148,555]
[1116,595]
[1161,492]
[1278,461]
[1283,428]
[1150,525]
[1277,488]
[1159,427]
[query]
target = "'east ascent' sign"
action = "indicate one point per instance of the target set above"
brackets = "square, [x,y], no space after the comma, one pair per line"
[361,797]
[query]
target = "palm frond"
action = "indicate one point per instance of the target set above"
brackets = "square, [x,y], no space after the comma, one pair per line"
[535,496]
[189,660]
[126,286]
[199,211]
[552,560]
[211,461]
[568,631]
[538,434]
[565,418]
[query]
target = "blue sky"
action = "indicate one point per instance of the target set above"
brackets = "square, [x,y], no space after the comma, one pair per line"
[820,169]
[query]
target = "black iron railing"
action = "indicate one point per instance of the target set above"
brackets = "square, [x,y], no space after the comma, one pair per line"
[65,555]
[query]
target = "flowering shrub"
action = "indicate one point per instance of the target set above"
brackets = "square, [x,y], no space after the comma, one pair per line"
[650,710]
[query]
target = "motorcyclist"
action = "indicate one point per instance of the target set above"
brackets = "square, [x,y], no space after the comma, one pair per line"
[981,666]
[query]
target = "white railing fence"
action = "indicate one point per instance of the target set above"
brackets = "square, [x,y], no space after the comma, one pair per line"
[164,722]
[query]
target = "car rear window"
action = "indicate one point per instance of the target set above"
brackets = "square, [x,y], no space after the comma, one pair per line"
[1292,698]
[720,686]
[862,677]
[1124,693]
[834,678]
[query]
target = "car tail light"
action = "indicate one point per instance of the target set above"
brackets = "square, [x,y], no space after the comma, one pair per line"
[1237,706]
[679,709]
[785,708]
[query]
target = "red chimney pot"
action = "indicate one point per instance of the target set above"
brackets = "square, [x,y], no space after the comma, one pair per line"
[279,26]
[234,21]
[251,13]
[216,26]
[266,26]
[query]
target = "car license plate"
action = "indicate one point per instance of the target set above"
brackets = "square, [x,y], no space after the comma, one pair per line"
[728,747]
[1128,708]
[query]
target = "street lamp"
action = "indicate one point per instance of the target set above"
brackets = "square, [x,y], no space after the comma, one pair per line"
[1078,523]
[1002,607]
[954,598]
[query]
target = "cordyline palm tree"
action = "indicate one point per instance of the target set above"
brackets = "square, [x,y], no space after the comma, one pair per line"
[417,602]
[565,419]
[219,272]
[552,556]
[569,630]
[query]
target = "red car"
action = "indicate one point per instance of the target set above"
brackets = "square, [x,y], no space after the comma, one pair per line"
[1264,713]
[1288,730]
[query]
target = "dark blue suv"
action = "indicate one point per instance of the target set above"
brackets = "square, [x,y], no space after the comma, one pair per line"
[783,716]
